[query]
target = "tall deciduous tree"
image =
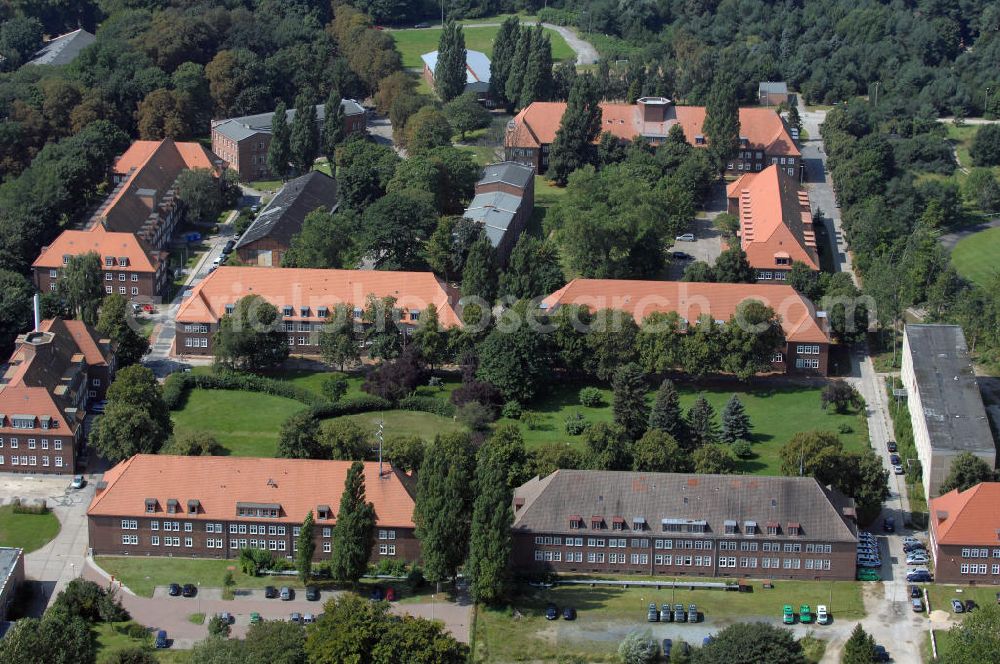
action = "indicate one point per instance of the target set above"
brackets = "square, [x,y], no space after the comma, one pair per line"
[722,121]
[752,642]
[515,361]
[425,130]
[432,340]
[504,46]
[444,504]
[325,241]
[450,71]
[658,452]
[113,322]
[490,544]
[752,337]
[250,338]
[303,142]
[305,546]
[299,438]
[735,421]
[518,67]
[732,267]
[966,471]
[201,193]
[15,308]
[479,276]
[533,269]
[464,113]
[136,420]
[333,126]
[355,532]
[336,339]
[581,122]
[279,151]
[537,84]
[629,401]
[714,459]
[975,639]
[80,286]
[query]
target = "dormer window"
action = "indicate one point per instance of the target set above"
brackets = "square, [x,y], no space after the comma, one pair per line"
[744,141]
[66,259]
[304,312]
[323,512]
[109,261]
[193,506]
[123,261]
[230,308]
[699,140]
[45,421]
[322,312]
[638,523]
[288,310]
[414,315]
[794,529]
[750,527]
[576,522]
[23,421]
[617,523]
[150,505]
[597,522]
[172,505]
[772,527]
[357,312]
[731,527]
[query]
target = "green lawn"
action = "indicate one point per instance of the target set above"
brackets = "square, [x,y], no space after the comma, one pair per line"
[606,614]
[975,257]
[414,43]
[26,531]
[110,641]
[940,596]
[481,154]
[776,414]
[406,422]
[246,423]
[142,575]
[547,194]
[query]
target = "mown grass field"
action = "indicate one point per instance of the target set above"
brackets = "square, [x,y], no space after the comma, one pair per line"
[606,614]
[976,257]
[142,575]
[110,642]
[405,423]
[776,414]
[414,43]
[26,531]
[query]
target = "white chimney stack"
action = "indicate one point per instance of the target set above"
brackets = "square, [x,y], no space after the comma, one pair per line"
[38,312]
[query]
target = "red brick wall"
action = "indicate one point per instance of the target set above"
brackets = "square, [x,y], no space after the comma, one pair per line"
[949,562]
[147,284]
[23,450]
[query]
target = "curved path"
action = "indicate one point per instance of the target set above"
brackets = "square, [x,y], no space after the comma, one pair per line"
[586,54]
[949,240]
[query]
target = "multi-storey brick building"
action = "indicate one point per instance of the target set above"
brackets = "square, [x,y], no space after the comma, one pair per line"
[764,138]
[776,226]
[211,507]
[131,267]
[965,535]
[243,142]
[52,376]
[266,241]
[683,525]
[504,201]
[307,299]
[807,340]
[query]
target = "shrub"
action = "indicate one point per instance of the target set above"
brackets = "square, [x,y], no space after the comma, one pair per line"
[34,508]
[253,561]
[845,428]
[591,397]
[531,420]
[475,415]
[334,386]
[135,631]
[427,405]
[175,390]
[416,578]
[478,390]
[391,567]
[361,404]
[512,410]
[218,627]
[576,424]
[177,386]
[742,449]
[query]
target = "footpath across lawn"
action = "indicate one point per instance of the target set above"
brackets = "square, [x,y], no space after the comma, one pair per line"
[606,614]
[26,531]
[776,413]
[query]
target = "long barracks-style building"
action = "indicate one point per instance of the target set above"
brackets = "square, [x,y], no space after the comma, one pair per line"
[684,525]
[211,507]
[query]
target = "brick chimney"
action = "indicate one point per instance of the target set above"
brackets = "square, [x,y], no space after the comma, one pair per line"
[654,109]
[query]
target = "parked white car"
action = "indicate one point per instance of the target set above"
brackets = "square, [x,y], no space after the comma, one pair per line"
[822,615]
[687,237]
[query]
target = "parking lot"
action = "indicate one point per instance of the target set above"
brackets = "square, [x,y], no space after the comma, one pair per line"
[707,246]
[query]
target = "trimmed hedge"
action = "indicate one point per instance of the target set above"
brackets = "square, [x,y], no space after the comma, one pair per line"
[431,405]
[178,385]
[352,406]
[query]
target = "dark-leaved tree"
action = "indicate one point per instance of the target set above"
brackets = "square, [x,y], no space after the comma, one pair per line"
[251,337]
[581,122]
[450,70]
[279,151]
[355,532]
[490,543]
[629,401]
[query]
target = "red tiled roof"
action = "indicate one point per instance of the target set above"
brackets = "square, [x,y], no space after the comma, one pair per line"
[973,517]
[313,288]
[775,219]
[691,300]
[20,399]
[219,483]
[106,243]
[764,129]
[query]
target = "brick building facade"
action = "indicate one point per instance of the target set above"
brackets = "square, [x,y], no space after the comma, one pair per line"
[503,204]
[211,507]
[683,525]
[965,535]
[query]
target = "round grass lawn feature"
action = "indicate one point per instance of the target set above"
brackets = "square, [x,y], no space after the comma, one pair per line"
[975,257]
[27,531]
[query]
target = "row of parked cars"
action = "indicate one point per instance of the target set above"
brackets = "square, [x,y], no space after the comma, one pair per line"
[916,561]
[677,614]
[868,551]
[805,615]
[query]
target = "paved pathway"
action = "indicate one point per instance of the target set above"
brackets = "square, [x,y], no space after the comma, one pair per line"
[586,54]
[171,613]
[949,240]
[968,121]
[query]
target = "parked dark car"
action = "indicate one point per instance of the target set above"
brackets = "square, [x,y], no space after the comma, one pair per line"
[229,247]
[376,594]
[918,576]
[667,645]
[286,593]
[189,590]
[161,639]
[312,593]
[891,446]
[880,654]
[551,612]
[296,617]
[174,590]
[569,613]
[421,26]
[889,524]
[957,606]
[682,256]
[270,592]
[970,605]
[894,459]
[915,592]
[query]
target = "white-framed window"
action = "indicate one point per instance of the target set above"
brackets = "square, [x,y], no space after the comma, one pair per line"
[327,532]
[135,291]
[31,443]
[59,462]
[131,540]
[13,443]
[155,540]
[107,289]
[135,277]
[45,461]
[327,547]
[122,290]
[57,445]
[389,549]
[130,524]
[121,276]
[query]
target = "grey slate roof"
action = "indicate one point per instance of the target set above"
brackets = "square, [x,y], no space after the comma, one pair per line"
[547,503]
[508,172]
[283,216]
[773,87]
[952,404]
[495,210]
[63,49]
[242,127]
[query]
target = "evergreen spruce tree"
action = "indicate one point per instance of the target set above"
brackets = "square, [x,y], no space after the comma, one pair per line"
[629,400]
[701,425]
[441,512]
[666,413]
[518,67]
[580,125]
[355,532]
[735,421]
[333,127]
[722,122]
[538,82]
[279,152]
[305,547]
[304,139]
[449,72]
[794,119]
[480,277]
[860,647]
[504,46]
[489,548]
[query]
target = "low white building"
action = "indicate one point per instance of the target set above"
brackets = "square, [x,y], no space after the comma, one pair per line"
[946,407]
